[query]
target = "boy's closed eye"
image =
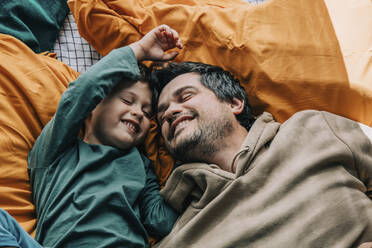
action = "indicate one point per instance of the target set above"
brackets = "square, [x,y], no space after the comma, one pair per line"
[126,100]
[130,100]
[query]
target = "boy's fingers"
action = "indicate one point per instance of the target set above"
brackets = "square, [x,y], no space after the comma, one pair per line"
[168,36]
[163,27]
[172,37]
[163,37]
[169,39]
[366,245]
[170,56]
[175,34]
[176,38]
[159,35]
[179,44]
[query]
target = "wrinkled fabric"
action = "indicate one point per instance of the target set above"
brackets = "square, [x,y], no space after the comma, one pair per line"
[13,235]
[35,22]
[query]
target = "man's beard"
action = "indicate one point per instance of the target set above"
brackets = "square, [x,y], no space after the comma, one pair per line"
[203,142]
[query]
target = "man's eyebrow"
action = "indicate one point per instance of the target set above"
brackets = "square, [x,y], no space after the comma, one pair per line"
[178,92]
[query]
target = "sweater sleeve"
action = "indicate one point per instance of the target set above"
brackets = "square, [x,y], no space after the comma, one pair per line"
[78,101]
[156,215]
[358,139]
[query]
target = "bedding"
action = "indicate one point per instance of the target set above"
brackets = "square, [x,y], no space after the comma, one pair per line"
[36,23]
[72,49]
[291,55]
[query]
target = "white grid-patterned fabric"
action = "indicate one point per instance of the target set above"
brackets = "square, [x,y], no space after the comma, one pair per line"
[76,52]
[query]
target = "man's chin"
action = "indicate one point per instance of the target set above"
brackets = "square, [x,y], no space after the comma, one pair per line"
[184,149]
[177,141]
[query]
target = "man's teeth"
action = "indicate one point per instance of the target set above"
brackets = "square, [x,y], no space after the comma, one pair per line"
[182,123]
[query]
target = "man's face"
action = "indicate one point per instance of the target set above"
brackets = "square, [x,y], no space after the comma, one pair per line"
[122,119]
[192,118]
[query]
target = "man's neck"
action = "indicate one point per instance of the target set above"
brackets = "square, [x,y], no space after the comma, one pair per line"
[228,148]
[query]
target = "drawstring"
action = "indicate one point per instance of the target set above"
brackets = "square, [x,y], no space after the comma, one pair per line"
[245,149]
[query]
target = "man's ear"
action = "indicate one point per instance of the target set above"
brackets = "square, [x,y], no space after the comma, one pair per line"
[237,106]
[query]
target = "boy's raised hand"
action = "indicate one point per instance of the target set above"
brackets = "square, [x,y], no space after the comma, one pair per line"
[154,44]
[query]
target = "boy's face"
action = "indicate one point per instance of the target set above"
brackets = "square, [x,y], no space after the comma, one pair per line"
[122,119]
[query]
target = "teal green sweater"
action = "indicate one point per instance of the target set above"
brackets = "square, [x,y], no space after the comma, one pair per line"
[94,195]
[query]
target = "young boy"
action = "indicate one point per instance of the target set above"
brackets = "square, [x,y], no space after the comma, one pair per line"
[99,191]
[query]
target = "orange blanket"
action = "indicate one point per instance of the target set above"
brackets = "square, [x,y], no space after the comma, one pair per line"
[30,87]
[286,52]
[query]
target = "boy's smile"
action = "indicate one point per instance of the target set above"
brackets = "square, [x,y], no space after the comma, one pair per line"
[132,125]
[122,119]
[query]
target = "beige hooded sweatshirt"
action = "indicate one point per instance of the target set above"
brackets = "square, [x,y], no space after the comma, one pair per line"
[305,183]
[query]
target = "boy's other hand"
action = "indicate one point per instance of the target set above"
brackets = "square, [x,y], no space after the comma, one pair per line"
[366,245]
[154,44]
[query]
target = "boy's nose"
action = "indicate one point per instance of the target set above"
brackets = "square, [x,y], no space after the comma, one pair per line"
[137,111]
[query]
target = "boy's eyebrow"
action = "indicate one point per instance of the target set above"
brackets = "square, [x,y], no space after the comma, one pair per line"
[133,94]
[127,92]
[178,92]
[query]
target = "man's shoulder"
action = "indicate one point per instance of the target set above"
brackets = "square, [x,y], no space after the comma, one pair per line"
[316,117]
[310,118]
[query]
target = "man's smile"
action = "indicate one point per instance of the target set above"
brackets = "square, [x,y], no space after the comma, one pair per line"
[178,123]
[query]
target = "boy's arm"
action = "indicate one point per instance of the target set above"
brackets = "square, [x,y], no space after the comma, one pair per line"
[83,95]
[156,215]
[77,102]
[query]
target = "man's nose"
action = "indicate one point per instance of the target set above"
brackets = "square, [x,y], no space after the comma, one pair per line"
[172,111]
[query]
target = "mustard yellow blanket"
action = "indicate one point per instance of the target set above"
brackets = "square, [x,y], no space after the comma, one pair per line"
[290,54]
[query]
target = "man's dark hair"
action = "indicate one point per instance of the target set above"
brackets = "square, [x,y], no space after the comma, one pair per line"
[218,80]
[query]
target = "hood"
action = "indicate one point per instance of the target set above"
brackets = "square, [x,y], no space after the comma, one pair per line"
[200,183]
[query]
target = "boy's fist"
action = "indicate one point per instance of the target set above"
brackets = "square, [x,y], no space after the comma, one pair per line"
[154,44]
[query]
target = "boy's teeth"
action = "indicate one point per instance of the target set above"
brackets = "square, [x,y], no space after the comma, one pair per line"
[131,125]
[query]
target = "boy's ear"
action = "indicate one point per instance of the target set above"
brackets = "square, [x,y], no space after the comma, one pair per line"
[237,106]
[88,119]
[85,126]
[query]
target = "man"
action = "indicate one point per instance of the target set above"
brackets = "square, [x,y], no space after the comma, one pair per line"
[257,183]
